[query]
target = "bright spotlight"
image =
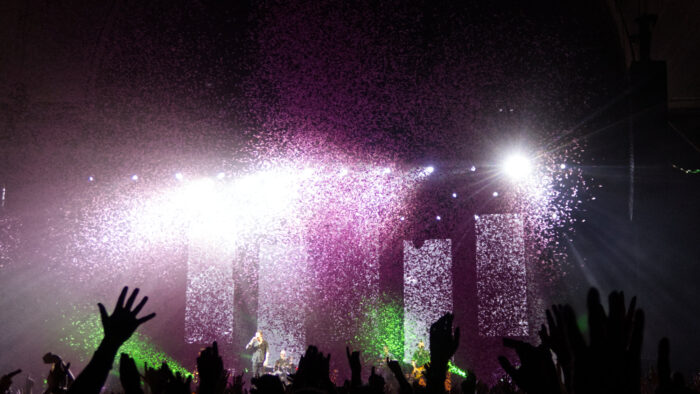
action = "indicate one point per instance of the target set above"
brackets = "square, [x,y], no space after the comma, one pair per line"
[454,195]
[429,169]
[308,172]
[220,175]
[91,178]
[562,166]
[134,177]
[472,169]
[179,176]
[495,194]
[438,217]
[517,167]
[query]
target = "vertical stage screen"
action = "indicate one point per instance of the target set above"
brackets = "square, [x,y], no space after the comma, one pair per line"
[209,297]
[501,275]
[282,295]
[427,284]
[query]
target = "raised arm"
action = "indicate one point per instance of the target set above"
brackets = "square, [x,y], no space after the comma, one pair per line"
[118,328]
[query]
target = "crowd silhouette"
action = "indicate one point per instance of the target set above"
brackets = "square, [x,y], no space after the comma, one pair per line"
[564,362]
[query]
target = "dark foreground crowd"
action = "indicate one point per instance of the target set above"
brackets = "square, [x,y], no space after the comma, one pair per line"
[608,361]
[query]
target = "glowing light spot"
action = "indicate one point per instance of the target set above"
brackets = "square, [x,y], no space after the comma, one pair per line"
[517,167]
[91,178]
[134,177]
[220,175]
[387,170]
[438,217]
[343,172]
[454,195]
[429,169]
[178,176]
[495,194]
[472,168]
[476,217]
[562,166]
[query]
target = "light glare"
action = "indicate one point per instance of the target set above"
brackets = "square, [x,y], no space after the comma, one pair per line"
[517,167]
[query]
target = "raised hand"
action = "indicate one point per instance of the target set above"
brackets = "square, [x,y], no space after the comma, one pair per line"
[129,375]
[118,327]
[237,384]
[121,324]
[613,360]
[355,367]
[156,378]
[395,368]
[376,383]
[178,384]
[6,380]
[313,371]
[537,373]
[443,345]
[211,370]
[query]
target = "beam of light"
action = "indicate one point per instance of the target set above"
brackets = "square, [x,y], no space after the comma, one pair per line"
[501,275]
[427,289]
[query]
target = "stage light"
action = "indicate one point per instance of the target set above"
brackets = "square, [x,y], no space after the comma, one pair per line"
[472,169]
[91,178]
[220,175]
[402,218]
[429,169]
[454,195]
[495,194]
[438,217]
[308,172]
[517,167]
[179,176]
[562,166]
[476,217]
[134,177]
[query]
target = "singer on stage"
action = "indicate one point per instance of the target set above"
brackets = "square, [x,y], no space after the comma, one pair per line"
[260,348]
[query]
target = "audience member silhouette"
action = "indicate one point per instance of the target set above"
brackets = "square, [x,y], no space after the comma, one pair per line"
[564,361]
